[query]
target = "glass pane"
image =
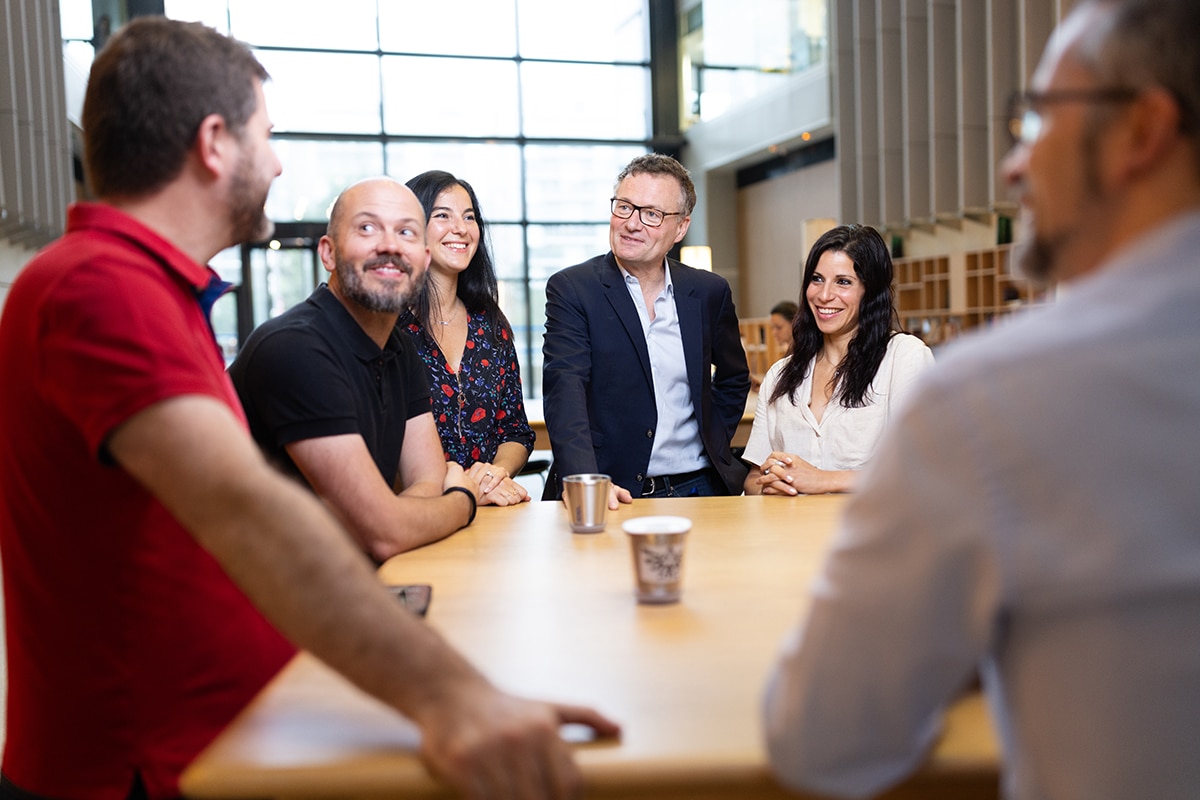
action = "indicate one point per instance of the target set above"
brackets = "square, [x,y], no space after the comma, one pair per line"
[733,38]
[449,97]
[810,39]
[534,333]
[721,89]
[508,253]
[492,169]
[75,19]
[77,64]
[348,25]
[553,247]
[508,250]
[322,92]
[228,264]
[572,183]
[282,278]
[481,28]
[512,302]
[315,173]
[730,55]
[213,13]
[593,101]
[615,30]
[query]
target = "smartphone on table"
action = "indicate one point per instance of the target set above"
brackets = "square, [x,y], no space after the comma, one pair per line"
[413,596]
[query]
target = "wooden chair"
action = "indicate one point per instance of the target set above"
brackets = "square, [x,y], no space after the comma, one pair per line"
[757,341]
[761,348]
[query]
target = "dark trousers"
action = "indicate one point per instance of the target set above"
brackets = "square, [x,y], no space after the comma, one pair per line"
[705,483]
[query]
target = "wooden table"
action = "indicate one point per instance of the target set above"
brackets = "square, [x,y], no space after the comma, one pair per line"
[537,421]
[551,614]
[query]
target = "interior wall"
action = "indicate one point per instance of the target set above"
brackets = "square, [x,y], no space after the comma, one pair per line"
[716,149]
[12,259]
[774,237]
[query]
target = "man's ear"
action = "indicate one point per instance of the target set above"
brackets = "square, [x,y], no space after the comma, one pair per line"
[325,251]
[684,224]
[1153,130]
[212,145]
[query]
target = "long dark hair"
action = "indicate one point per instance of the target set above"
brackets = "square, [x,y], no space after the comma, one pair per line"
[477,285]
[877,318]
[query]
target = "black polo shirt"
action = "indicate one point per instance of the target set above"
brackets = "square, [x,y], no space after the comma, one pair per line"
[312,372]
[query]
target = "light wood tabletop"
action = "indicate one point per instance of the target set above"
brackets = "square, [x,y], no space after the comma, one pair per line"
[551,614]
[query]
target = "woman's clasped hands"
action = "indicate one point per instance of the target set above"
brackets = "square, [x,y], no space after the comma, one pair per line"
[496,486]
[788,474]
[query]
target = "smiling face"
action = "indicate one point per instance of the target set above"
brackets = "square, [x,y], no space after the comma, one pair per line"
[376,249]
[834,295]
[453,231]
[639,247]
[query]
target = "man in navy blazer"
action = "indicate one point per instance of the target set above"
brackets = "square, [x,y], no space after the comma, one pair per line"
[645,377]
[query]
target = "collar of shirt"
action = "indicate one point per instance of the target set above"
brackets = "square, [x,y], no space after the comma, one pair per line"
[103,217]
[635,291]
[351,333]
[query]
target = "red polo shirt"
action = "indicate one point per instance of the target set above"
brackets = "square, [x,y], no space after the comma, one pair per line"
[128,647]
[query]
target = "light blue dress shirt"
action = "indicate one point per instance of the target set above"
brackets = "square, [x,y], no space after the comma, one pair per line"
[677,446]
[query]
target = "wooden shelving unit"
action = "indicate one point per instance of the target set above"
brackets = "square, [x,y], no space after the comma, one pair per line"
[923,285]
[938,297]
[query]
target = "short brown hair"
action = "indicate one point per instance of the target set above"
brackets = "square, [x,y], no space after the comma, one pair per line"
[150,88]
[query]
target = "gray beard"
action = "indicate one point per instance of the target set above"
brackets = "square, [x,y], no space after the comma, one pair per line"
[1035,258]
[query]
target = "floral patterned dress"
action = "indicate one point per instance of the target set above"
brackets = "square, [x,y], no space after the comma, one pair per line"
[481,406]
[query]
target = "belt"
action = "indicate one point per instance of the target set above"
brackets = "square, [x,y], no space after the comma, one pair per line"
[658,482]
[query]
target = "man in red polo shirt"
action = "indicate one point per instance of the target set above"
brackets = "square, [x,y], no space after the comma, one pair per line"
[141,531]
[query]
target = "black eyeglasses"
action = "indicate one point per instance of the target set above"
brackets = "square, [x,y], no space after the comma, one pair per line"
[650,217]
[1025,119]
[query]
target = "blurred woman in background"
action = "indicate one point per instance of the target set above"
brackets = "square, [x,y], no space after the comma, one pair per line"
[781,318]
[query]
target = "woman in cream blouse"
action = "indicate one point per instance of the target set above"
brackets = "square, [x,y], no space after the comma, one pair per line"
[822,409]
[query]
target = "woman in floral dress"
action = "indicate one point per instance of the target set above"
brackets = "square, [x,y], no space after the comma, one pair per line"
[466,343]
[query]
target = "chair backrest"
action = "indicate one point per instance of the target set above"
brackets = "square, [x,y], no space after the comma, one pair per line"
[758,343]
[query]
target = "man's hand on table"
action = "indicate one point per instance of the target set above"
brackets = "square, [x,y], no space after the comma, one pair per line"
[488,744]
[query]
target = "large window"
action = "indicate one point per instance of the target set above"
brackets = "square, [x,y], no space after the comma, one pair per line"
[536,103]
[732,50]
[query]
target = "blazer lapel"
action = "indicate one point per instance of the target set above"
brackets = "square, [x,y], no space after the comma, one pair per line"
[617,294]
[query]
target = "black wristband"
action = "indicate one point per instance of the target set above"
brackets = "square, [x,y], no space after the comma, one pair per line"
[469,494]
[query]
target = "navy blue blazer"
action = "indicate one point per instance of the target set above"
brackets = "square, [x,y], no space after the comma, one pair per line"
[598,393]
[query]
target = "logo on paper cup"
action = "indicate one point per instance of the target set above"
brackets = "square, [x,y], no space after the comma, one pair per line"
[660,563]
